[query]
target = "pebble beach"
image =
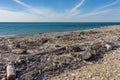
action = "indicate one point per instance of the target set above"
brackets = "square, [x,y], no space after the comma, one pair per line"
[79,55]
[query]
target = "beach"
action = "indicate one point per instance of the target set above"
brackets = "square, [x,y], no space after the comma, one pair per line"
[77,55]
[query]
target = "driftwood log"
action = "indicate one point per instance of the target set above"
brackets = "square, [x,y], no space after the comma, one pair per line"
[11,73]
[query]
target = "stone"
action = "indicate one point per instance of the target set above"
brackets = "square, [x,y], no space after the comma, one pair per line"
[82,55]
[17,79]
[108,47]
[44,40]
[18,51]
[10,46]
[74,48]
[31,51]
[85,55]
[17,62]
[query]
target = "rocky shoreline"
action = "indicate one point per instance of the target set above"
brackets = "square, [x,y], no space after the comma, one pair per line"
[63,55]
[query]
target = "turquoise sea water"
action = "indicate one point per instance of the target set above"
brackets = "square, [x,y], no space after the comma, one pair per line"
[11,28]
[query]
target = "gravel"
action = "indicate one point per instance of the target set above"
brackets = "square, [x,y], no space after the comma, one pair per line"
[80,55]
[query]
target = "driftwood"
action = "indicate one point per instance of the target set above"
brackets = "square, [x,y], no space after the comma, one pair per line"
[11,73]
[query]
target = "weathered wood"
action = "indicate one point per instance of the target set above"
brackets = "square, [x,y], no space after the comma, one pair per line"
[11,73]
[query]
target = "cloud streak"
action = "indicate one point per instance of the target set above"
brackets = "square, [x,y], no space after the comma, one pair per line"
[42,12]
[100,10]
[77,6]
[17,16]
[108,5]
[74,11]
[33,14]
[12,16]
[93,13]
[48,13]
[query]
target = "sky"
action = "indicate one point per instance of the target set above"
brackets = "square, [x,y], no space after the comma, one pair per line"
[59,10]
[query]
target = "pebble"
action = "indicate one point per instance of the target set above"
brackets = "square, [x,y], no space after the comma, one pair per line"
[108,47]
[86,55]
[18,51]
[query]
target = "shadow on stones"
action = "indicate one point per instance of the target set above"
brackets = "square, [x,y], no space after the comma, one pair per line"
[49,64]
[52,63]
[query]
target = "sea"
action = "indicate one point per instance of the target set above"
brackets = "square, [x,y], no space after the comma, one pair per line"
[15,28]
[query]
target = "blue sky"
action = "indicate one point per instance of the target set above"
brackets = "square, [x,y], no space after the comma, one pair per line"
[59,10]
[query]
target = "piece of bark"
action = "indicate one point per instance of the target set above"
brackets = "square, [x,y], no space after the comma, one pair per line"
[11,73]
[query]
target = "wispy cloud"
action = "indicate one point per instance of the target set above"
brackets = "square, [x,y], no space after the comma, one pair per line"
[15,16]
[77,6]
[93,13]
[48,14]
[41,11]
[23,4]
[100,10]
[74,11]
[108,5]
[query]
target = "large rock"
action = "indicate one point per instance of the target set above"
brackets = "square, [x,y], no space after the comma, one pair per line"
[85,55]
